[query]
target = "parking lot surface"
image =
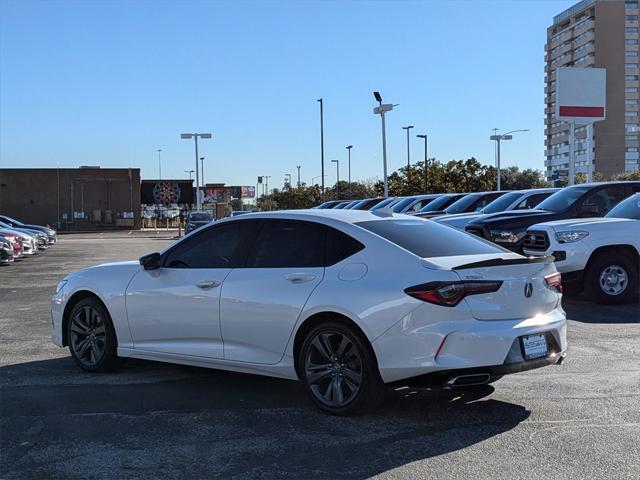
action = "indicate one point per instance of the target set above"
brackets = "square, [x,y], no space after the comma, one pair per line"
[153,420]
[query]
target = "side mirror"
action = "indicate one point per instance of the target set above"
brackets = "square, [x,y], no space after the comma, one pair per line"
[150,261]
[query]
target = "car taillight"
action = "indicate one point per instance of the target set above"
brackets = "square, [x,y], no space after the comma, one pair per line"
[554,281]
[449,294]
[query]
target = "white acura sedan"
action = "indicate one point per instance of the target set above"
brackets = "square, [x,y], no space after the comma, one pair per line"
[347,301]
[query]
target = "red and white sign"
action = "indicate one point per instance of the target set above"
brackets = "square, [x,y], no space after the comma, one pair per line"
[581,94]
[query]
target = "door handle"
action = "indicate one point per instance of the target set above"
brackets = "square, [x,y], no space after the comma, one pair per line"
[205,284]
[299,277]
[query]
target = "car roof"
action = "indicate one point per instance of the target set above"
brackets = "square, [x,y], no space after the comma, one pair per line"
[320,215]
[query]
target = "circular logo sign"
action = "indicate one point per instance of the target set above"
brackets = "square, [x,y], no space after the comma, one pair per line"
[166,192]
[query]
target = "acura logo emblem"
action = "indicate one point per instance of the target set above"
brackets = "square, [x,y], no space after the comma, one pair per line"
[528,289]
[532,238]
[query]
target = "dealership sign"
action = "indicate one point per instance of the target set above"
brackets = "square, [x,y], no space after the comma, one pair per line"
[581,95]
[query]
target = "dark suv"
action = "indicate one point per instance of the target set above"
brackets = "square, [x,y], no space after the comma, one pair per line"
[508,229]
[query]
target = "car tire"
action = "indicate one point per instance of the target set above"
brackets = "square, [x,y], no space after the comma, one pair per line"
[611,278]
[92,338]
[339,370]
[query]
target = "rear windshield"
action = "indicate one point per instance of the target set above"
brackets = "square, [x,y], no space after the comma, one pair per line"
[200,217]
[439,203]
[562,199]
[629,208]
[425,238]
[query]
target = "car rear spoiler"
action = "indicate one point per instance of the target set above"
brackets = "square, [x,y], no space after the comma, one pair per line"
[500,262]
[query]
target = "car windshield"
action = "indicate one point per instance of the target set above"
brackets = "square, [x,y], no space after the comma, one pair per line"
[13,220]
[464,203]
[629,208]
[405,202]
[438,204]
[200,217]
[501,203]
[563,199]
[425,238]
[386,203]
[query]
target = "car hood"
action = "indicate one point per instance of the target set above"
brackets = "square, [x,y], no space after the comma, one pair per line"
[457,217]
[527,216]
[577,223]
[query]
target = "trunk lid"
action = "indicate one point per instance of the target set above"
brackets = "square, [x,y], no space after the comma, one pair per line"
[523,294]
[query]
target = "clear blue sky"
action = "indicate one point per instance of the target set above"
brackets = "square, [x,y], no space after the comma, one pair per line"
[107,83]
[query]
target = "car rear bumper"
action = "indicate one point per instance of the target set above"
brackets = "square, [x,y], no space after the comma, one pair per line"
[422,345]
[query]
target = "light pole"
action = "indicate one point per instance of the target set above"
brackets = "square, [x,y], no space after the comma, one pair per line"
[266,178]
[337,162]
[195,136]
[381,109]
[408,128]
[298,167]
[317,176]
[159,165]
[322,145]
[287,179]
[190,172]
[426,164]
[498,139]
[349,147]
[202,171]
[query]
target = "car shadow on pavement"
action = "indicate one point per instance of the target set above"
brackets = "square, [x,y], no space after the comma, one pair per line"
[581,309]
[230,424]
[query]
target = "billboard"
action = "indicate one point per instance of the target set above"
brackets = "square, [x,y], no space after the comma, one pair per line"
[166,192]
[581,95]
[248,192]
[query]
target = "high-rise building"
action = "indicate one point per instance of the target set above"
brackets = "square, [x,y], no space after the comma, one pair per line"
[602,34]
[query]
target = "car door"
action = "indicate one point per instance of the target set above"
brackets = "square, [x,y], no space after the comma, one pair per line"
[176,308]
[260,303]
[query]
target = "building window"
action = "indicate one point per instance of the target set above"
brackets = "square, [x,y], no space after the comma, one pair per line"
[630,4]
[631,54]
[631,18]
[631,127]
[631,30]
[631,101]
[631,138]
[630,114]
[631,41]
[630,65]
[631,78]
[631,90]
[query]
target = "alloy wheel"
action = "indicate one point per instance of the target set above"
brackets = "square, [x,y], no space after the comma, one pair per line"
[613,280]
[333,368]
[88,336]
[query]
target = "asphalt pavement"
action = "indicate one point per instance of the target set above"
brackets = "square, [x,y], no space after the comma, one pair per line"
[153,420]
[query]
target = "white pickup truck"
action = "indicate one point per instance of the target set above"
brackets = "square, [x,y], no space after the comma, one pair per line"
[601,255]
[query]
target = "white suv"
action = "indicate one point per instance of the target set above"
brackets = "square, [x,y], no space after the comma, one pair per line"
[599,254]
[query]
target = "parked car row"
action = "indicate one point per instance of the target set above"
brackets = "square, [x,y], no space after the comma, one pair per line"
[18,239]
[540,222]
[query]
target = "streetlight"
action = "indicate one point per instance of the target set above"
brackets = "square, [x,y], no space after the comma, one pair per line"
[298,167]
[381,109]
[287,179]
[195,136]
[407,128]
[317,176]
[426,164]
[322,145]
[337,162]
[349,147]
[190,172]
[498,139]
[159,165]
[202,171]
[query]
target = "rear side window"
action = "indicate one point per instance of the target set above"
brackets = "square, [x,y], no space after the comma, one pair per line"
[603,200]
[425,238]
[532,201]
[288,244]
[340,246]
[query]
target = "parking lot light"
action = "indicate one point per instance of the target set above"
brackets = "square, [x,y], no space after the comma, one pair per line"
[195,136]
[498,139]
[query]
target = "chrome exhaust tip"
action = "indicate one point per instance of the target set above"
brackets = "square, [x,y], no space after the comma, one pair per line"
[466,380]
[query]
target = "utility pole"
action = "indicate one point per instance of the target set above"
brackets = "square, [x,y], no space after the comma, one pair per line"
[498,138]
[408,128]
[159,165]
[322,145]
[298,167]
[349,147]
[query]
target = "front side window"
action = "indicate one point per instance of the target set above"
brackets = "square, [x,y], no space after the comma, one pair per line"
[603,200]
[464,203]
[426,239]
[288,244]
[532,201]
[223,246]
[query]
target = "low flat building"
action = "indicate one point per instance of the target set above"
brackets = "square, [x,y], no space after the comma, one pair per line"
[85,198]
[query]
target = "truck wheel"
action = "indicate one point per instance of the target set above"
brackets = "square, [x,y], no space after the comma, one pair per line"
[612,278]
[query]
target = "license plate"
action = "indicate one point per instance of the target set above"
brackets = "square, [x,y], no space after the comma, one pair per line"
[535,346]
